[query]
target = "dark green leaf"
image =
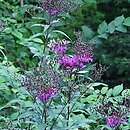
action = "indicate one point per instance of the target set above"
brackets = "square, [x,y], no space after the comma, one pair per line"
[117,90]
[87,32]
[119,20]
[105,36]
[41,126]
[102,28]
[104,90]
[121,28]
[127,21]
[111,27]
[17,34]
[109,92]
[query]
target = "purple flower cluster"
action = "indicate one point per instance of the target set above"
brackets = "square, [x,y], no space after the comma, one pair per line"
[55,7]
[46,93]
[71,62]
[114,121]
[77,60]
[68,62]
[85,56]
[82,56]
[60,47]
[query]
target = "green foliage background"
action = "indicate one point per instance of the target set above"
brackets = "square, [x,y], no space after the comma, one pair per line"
[113,52]
[105,25]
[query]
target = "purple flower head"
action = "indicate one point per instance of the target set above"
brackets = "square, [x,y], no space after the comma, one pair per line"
[60,46]
[85,57]
[84,53]
[121,120]
[111,121]
[78,60]
[114,121]
[46,93]
[55,7]
[52,11]
[68,62]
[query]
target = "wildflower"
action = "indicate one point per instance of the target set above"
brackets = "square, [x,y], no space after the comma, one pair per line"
[68,62]
[52,11]
[111,121]
[114,121]
[84,52]
[55,7]
[84,57]
[78,60]
[60,46]
[46,93]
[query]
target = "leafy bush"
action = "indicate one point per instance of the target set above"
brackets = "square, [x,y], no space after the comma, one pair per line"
[48,76]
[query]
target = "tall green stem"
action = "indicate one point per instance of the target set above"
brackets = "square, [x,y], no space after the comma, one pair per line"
[45,115]
[69,99]
[68,108]
[21,3]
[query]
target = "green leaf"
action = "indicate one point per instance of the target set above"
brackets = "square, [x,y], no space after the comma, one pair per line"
[121,28]
[104,90]
[41,126]
[35,48]
[38,40]
[102,28]
[111,27]
[14,115]
[7,30]
[38,18]
[21,102]
[119,20]
[38,25]
[12,20]
[31,44]
[117,89]
[97,84]
[83,71]
[1,47]
[36,35]
[89,99]
[56,23]
[3,86]
[105,36]
[127,21]
[36,51]
[96,40]
[58,31]
[17,34]
[14,90]
[2,79]
[87,31]
[27,114]
[109,92]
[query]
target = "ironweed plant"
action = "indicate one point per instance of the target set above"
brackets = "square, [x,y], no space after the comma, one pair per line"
[56,76]
[58,93]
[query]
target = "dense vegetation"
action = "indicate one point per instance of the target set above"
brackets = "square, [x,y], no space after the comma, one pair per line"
[64,65]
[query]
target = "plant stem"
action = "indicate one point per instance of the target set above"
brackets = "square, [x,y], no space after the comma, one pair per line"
[68,108]
[57,117]
[21,3]
[69,98]
[45,114]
